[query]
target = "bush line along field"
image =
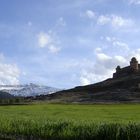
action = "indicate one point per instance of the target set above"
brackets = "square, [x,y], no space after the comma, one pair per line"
[69,122]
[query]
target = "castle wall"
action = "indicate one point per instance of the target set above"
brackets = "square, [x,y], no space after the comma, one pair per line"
[134,68]
[126,71]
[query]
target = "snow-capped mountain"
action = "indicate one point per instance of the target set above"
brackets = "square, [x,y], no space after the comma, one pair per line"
[28,90]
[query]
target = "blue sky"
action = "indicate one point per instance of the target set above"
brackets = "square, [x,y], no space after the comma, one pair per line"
[66,43]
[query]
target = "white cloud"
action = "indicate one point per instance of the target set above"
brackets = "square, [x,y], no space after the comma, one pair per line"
[97,74]
[102,20]
[88,77]
[54,49]
[98,50]
[136,2]
[9,73]
[90,14]
[50,39]
[121,45]
[109,39]
[114,21]
[103,57]
[106,60]
[44,39]
[120,59]
[84,80]
[109,62]
[61,22]
[103,68]
[47,40]
[120,21]
[117,43]
[134,53]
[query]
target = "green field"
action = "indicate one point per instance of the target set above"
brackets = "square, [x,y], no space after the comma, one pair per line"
[59,121]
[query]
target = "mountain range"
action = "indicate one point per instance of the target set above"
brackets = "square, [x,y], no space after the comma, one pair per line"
[27,90]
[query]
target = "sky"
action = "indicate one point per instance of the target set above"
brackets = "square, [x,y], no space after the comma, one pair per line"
[66,43]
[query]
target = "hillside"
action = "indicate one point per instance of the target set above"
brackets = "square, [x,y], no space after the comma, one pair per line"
[5,95]
[125,89]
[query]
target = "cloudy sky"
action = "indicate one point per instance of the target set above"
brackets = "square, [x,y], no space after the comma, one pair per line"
[66,43]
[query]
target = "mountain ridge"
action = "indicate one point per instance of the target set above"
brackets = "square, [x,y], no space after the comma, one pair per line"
[5,95]
[28,89]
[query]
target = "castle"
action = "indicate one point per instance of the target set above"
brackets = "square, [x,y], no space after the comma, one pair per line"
[134,68]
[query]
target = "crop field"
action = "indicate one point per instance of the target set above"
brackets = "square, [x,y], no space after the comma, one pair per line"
[70,122]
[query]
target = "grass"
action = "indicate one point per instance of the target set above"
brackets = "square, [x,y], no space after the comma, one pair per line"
[58,121]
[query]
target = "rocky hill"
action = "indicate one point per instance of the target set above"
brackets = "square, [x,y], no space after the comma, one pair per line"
[125,89]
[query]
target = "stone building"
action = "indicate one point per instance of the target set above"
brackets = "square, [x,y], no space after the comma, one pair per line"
[133,68]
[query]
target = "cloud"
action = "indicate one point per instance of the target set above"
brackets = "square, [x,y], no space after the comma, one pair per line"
[104,65]
[114,21]
[117,43]
[9,73]
[90,14]
[103,68]
[61,22]
[98,50]
[134,53]
[103,57]
[50,39]
[88,77]
[102,20]
[84,80]
[109,62]
[44,39]
[135,2]
[120,21]
[121,45]
[47,40]
[54,49]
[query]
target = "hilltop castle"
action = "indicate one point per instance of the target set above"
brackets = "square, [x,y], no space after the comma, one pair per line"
[134,68]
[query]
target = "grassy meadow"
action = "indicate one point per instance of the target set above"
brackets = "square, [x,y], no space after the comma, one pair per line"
[70,121]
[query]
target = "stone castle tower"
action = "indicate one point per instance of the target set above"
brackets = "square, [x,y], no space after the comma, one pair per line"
[134,68]
[134,64]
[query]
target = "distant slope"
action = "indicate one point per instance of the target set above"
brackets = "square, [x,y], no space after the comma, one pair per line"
[28,90]
[125,89]
[4,95]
